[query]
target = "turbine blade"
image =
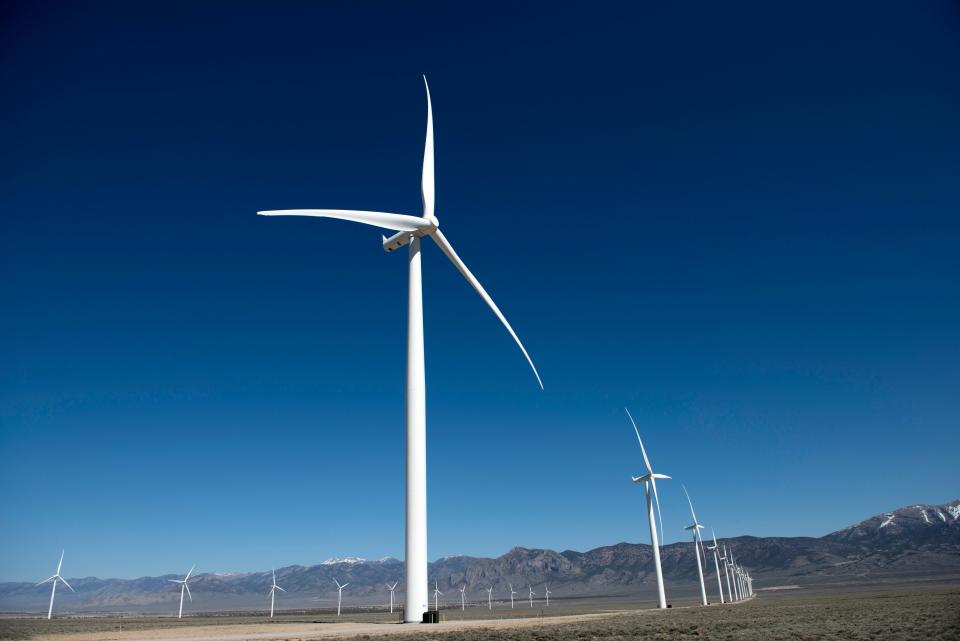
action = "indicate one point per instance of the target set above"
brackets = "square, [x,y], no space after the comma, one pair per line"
[188,591]
[61,561]
[345,585]
[447,249]
[396,222]
[48,580]
[189,573]
[646,461]
[656,500]
[690,503]
[427,179]
[66,584]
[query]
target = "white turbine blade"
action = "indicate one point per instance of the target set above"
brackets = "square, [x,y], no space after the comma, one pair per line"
[690,503]
[279,588]
[396,222]
[48,580]
[344,585]
[656,499]
[427,179]
[65,583]
[459,264]
[714,537]
[274,572]
[174,581]
[338,583]
[61,561]
[188,591]
[661,476]
[646,461]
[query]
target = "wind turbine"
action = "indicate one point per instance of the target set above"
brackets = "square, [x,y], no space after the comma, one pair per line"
[53,588]
[716,562]
[726,573]
[733,577]
[463,603]
[273,591]
[410,230]
[697,543]
[490,598]
[531,596]
[512,593]
[339,594]
[649,481]
[392,588]
[436,596]
[546,591]
[183,586]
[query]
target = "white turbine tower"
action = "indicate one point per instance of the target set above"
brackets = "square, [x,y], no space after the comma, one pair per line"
[532,593]
[697,543]
[410,229]
[392,588]
[716,562]
[726,573]
[733,577]
[339,594]
[650,483]
[546,592]
[53,588]
[512,594]
[183,586]
[490,598]
[463,602]
[273,591]
[436,596]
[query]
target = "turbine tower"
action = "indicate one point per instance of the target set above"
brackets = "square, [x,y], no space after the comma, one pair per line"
[716,562]
[273,591]
[339,594]
[490,598]
[463,602]
[512,593]
[697,544]
[392,588]
[546,592]
[726,573]
[183,586]
[531,596]
[649,481]
[436,596]
[53,588]
[410,230]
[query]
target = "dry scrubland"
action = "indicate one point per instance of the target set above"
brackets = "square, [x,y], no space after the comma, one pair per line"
[896,616]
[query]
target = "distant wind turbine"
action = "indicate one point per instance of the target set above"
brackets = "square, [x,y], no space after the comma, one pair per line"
[183,586]
[339,594]
[392,588]
[410,230]
[53,587]
[726,573]
[463,602]
[436,596]
[697,543]
[649,481]
[532,593]
[490,598]
[273,591]
[512,593]
[716,562]
[546,592]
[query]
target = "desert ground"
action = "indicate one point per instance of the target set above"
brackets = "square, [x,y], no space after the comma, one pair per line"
[930,613]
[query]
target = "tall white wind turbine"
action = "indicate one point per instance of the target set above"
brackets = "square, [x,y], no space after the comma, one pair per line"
[463,599]
[649,481]
[532,593]
[392,588]
[733,577]
[339,594]
[273,591]
[183,587]
[546,592]
[490,598]
[436,596]
[716,562]
[53,587]
[512,594]
[697,544]
[410,230]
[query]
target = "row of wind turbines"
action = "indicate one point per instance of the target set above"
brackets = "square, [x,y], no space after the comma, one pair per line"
[739,581]
[463,590]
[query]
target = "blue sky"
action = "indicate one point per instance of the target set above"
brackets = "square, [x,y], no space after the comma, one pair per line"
[739,221]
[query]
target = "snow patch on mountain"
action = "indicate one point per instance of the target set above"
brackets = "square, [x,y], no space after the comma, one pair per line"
[954,511]
[923,513]
[942,517]
[349,560]
[888,521]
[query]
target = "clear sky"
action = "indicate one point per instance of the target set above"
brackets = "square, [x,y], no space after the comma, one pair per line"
[739,220]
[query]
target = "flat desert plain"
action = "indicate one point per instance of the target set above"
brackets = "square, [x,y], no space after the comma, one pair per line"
[916,614]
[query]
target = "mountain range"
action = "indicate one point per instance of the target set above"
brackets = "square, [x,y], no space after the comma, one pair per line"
[918,541]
